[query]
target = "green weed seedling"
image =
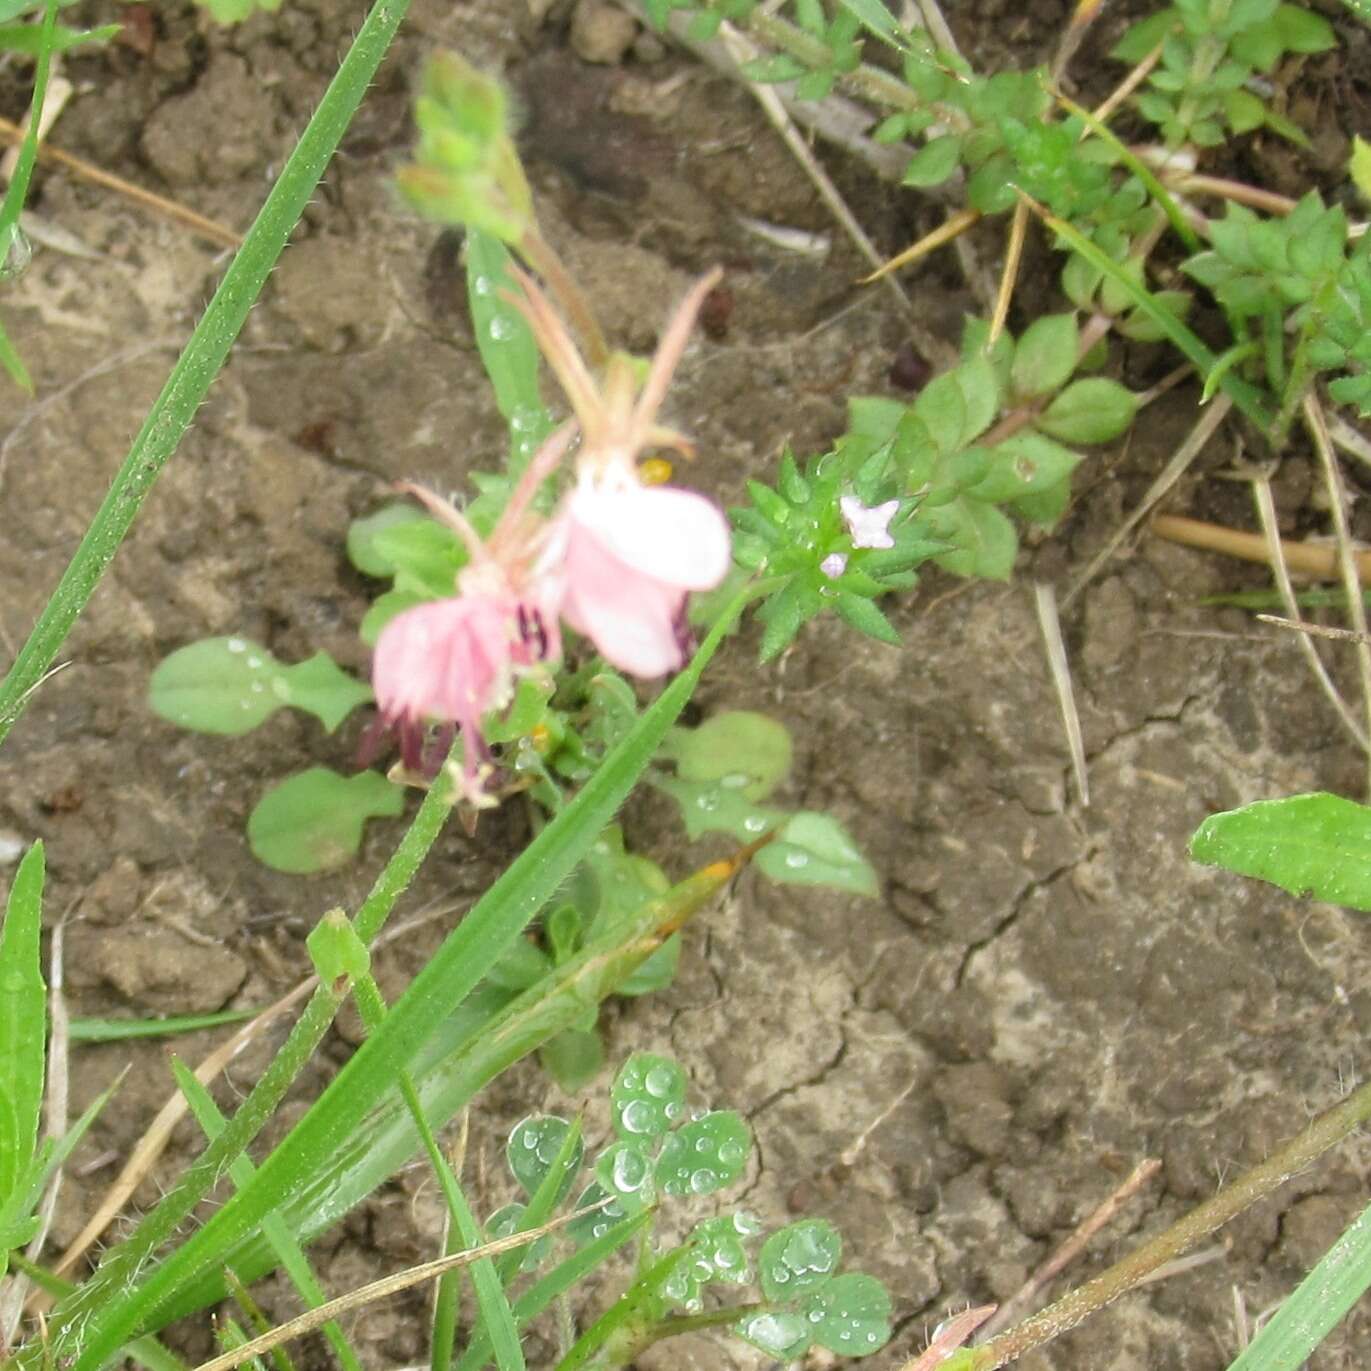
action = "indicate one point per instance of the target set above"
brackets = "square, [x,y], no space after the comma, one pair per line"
[663,1155]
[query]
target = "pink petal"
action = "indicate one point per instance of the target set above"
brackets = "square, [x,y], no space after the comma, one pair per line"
[631,618]
[674,536]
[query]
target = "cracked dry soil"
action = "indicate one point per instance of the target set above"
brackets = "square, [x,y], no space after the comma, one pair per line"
[955,1073]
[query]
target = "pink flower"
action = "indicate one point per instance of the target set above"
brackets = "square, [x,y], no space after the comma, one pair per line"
[632,555]
[453,660]
[628,554]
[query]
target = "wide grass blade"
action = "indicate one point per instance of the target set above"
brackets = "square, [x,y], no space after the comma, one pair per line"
[1340,1279]
[23,1024]
[202,357]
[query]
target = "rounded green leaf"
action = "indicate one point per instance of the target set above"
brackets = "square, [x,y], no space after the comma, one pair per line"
[231,685]
[504,1222]
[1024,464]
[1046,355]
[742,750]
[218,685]
[704,1156]
[625,1170]
[597,1223]
[783,1334]
[1316,845]
[533,1146]
[799,1259]
[850,1315]
[647,1096]
[717,1253]
[815,849]
[1095,410]
[362,548]
[313,821]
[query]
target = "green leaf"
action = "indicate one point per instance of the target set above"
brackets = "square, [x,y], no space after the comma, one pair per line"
[506,344]
[782,1334]
[1093,410]
[573,1057]
[717,1253]
[336,951]
[742,750]
[313,820]
[508,1220]
[1317,845]
[230,686]
[1045,356]
[705,1155]
[657,972]
[983,540]
[648,1096]
[1359,166]
[624,1169]
[934,162]
[424,555]
[23,1022]
[1025,463]
[799,1259]
[363,551]
[533,1146]
[850,1315]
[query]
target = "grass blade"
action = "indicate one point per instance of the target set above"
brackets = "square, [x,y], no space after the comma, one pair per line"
[558,1281]
[23,1023]
[116,1030]
[202,357]
[1341,1277]
[288,1252]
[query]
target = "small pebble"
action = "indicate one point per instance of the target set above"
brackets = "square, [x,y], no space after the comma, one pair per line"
[11,846]
[601,32]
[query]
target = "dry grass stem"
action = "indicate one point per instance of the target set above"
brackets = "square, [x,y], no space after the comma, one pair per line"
[1318,561]
[1050,624]
[1128,85]
[1342,635]
[1348,561]
[1210,418]
[1349,439]
[1277,560]
[1014,1307]
[1013,256]
[956,223]
[387,1285]
[159,204]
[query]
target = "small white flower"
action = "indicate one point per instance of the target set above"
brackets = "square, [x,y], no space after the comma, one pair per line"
[868,527]
[834,565]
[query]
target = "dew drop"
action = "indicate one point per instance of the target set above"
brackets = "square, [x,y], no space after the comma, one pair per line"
[703,1181]
[236,645]
[795,860]
[660,1080]
[501,329]
[754,823]
[637,1116]
[255,663]
[735,780]
[257,687]
[482,285]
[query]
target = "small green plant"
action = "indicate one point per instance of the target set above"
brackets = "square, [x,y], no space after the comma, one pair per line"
[662,1157]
